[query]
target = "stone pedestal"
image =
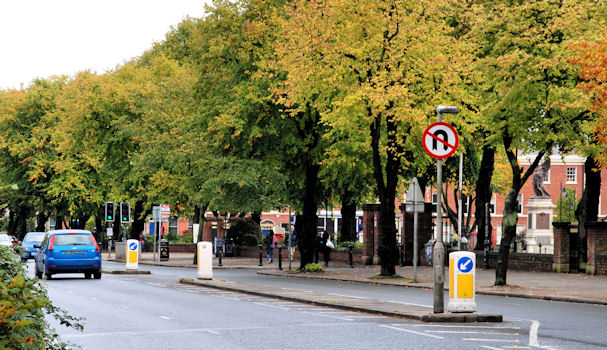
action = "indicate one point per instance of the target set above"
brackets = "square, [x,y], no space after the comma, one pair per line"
[539,225]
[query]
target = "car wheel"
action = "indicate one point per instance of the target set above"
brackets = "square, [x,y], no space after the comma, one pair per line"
[47,274]
[97,275]
[87,275]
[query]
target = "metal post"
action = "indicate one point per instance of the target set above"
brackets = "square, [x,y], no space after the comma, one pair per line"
[220,251]
[350,255]
[487,239]
[280,257]
[438,256]
[415,248]
[460,209]
[401,251]
[290,237]
[260,255]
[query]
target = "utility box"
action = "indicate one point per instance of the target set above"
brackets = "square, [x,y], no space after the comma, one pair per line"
[205,260]
[462,275]
[164,250]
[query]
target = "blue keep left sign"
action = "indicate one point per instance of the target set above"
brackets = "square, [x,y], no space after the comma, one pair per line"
[133,246]
[465,264]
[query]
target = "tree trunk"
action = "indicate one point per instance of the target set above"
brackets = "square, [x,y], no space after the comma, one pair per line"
[41,222]
[138,220]
[483,195]
[307,242]
[348,219]
[510,217]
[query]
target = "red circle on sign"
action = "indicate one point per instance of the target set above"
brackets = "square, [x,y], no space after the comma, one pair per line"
[445,127]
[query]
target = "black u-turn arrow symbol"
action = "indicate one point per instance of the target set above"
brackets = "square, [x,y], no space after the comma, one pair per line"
[445,136]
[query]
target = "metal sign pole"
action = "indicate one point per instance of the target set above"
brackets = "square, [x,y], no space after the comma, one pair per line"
[460,209]
[290,237]
[415,232]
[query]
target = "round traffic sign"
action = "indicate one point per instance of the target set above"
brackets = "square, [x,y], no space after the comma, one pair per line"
[440,140]
[465,264]
[133,246]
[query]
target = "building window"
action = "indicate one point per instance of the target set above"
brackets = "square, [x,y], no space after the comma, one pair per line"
[571,175]
[465,202]
[173,225]
[547,179]
[519,203]
[492,206]
[434,197]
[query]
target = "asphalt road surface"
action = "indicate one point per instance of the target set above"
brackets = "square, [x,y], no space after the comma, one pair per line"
[157,312]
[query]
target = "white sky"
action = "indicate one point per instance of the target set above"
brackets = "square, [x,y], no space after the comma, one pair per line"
[40,38]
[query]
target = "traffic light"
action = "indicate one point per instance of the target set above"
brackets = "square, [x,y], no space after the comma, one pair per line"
[125,212]
[109,211]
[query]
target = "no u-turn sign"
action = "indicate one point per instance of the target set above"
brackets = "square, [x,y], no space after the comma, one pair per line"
[440,140]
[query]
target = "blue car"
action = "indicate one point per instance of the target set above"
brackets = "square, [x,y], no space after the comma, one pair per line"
[30,239]
[68,251]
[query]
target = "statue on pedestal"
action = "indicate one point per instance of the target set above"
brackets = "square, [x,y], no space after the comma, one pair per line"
[539,177]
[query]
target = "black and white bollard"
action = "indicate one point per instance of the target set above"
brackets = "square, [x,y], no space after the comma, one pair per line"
[279,257]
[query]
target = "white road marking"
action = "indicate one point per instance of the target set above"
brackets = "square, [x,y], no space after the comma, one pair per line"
[472,332]
[412,304]
[157,284]
[414,332]
[491,340]
[126,333]
[274,306]
[329,316]
[94,299]
[164,317]
[124,306]
[348,296]
[535,326]
[462,326]
[69,291]
[229,298]
[490,347]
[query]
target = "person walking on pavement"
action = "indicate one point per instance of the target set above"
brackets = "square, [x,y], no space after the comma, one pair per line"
[325,245]
[269,242]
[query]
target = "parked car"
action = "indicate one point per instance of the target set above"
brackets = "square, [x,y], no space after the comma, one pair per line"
[68,251]
[30,239]
[6,240]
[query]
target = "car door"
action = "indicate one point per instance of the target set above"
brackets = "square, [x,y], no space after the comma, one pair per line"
[39,257]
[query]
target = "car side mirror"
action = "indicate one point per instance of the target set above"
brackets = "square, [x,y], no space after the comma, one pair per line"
[37,246]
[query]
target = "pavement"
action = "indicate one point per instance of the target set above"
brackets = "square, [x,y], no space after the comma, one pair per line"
[577,288]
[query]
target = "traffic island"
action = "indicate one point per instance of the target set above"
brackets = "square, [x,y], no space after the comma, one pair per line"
[127,272]
[413,312]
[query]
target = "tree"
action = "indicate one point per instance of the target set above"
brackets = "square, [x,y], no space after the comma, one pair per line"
[530,94]
[383,64]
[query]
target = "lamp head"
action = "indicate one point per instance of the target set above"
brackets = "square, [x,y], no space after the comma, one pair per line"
[447,109]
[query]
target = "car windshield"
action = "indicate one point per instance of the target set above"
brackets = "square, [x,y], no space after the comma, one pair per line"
[37,238]
[72,239]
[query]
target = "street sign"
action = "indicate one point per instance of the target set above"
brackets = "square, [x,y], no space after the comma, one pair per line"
[110,232]
[165,212]
[465,264]
[414,200]
[440,140]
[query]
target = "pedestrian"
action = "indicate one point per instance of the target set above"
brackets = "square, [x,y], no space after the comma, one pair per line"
[269,242]
[293,243]
[317,248]
[326,246]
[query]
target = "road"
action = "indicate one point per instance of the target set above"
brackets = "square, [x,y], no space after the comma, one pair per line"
[156,312]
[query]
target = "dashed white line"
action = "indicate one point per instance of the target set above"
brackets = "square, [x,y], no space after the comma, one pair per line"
[164,317]
[412,304]
[472,332]
[535,326]
[274,306]
[329,316]
[490,347]
[413,332]
[491,340]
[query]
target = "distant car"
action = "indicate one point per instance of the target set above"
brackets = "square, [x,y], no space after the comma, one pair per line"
[30,239]
[6,240]
[68,251]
